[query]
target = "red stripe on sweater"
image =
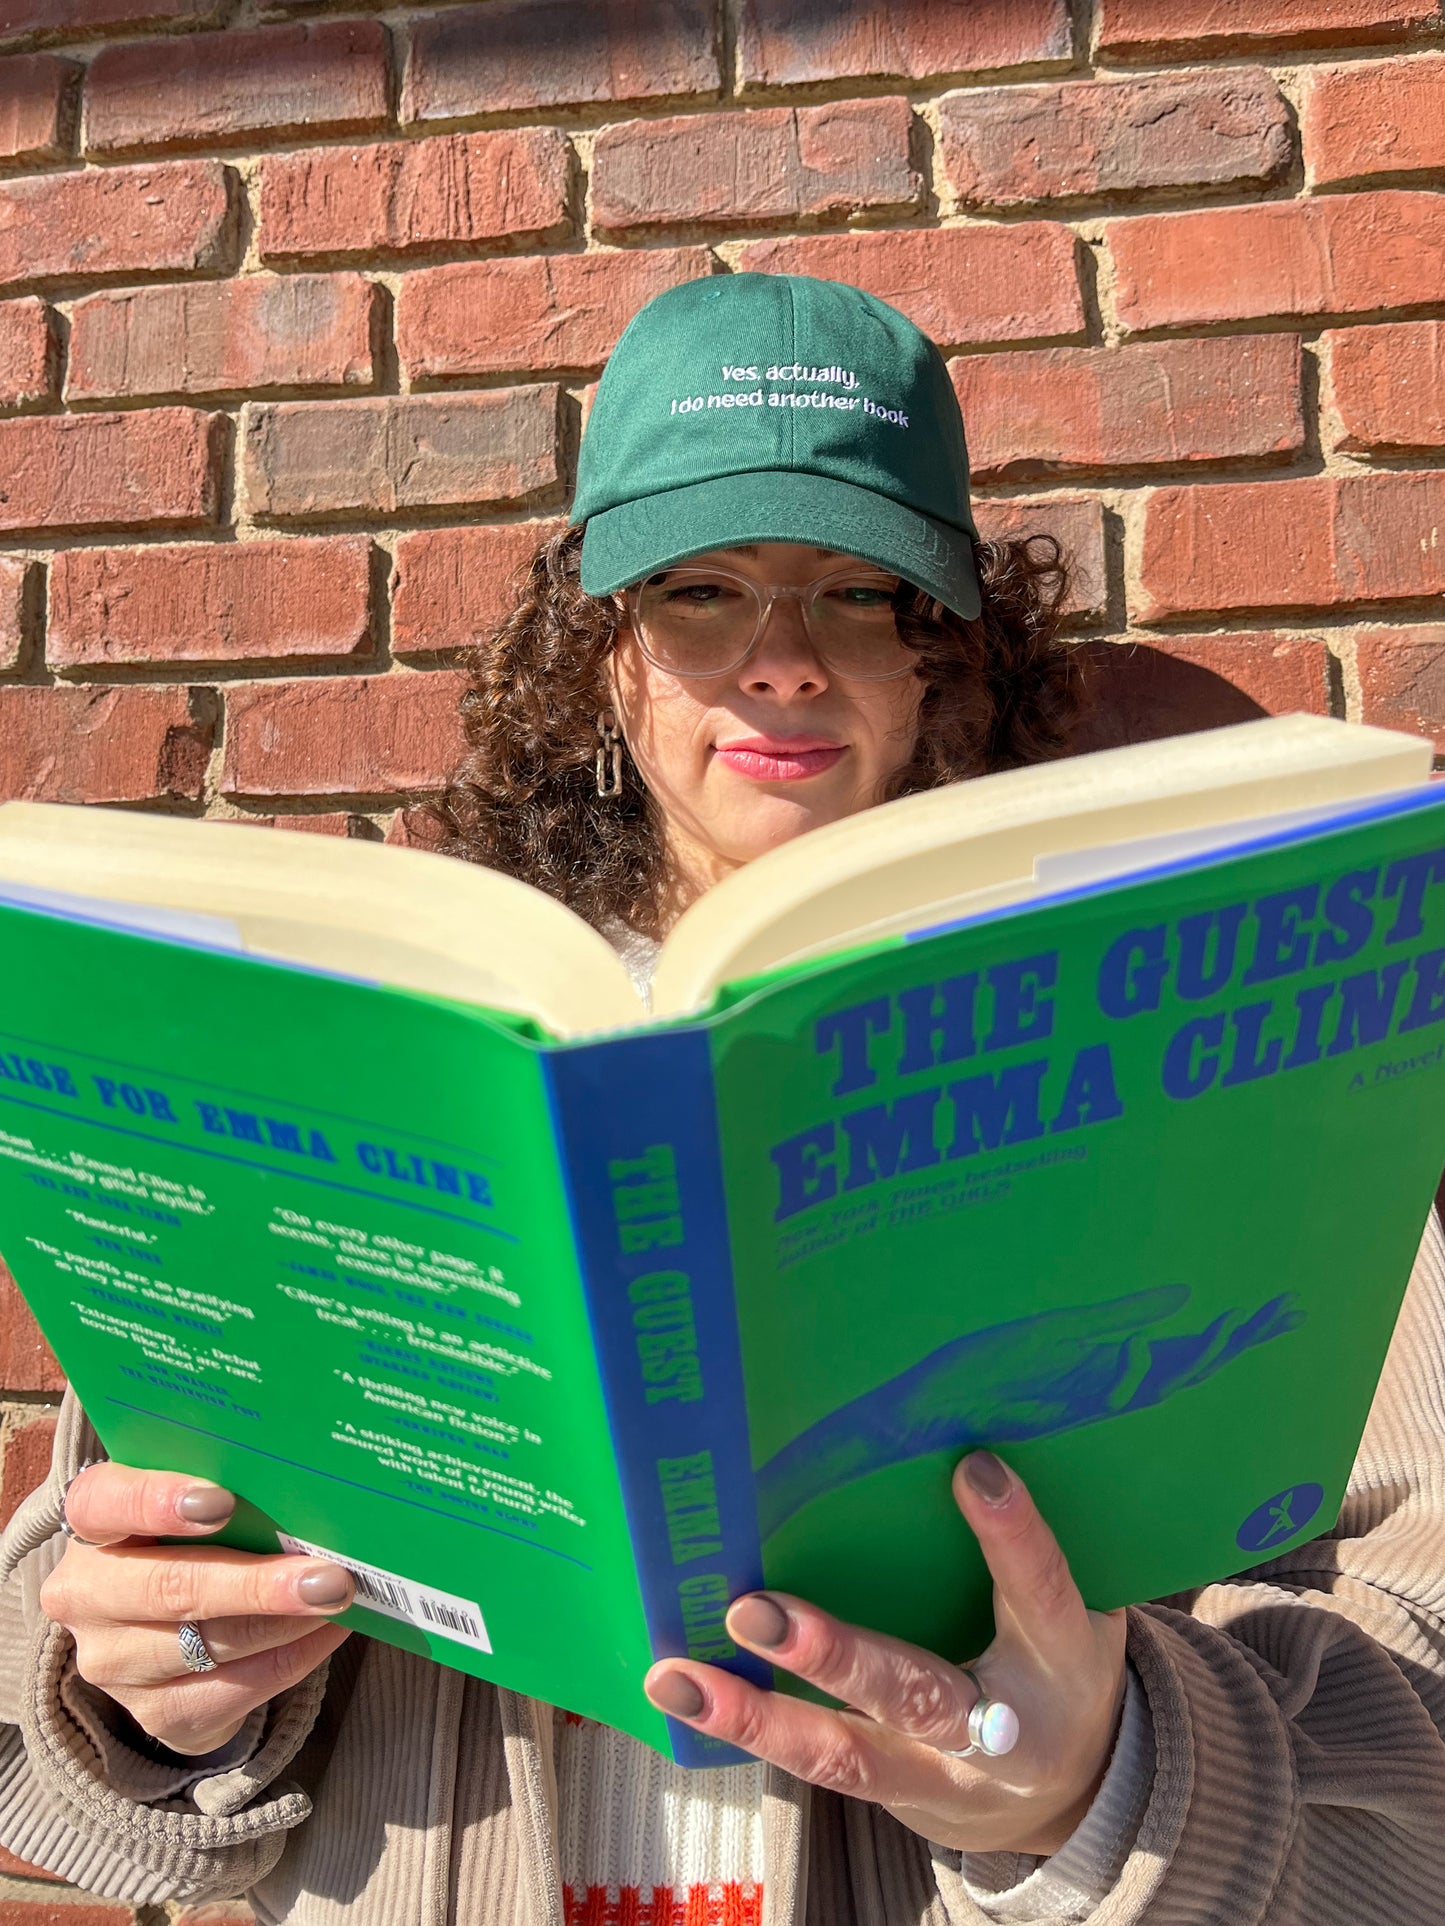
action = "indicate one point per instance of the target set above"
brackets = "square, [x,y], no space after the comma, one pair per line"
[728,1905]
[698,1911]
[740,1908]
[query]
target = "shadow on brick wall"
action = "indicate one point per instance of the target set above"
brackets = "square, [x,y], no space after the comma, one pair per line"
[1141,694]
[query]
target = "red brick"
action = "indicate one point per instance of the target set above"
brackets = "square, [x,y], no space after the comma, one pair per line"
[77,19]
[1003,146]
[1315,542]
[515,54]
[27,1362]
[1389,386]
[13,579]
[210,602]
[200,89]
[1402,679]
[787,42]
[1077,524]
[415,828]
[27,353]
[398,453]
[159,468]
[37,98]
[402,197]
[1173,687]
[362,735]
[1149,29]
[27,1464]
[1374,117]
[41,1912]
[454,585]
[211,337]
[1158,402]
[122,221]
[530,314]
[963,286]
[10,1864]
[1341,254]
[103,745]
[329,822]
[763,164]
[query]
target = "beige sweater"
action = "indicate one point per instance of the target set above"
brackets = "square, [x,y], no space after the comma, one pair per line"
[1295,1713]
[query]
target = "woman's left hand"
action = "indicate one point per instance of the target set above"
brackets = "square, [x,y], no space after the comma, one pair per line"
[1059,1665]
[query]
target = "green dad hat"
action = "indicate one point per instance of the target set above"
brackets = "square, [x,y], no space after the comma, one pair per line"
[776,408]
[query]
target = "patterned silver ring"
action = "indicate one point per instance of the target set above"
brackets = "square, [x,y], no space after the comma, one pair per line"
[194,1649]
[993,1726]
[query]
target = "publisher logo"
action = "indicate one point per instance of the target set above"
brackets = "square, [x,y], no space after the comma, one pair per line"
[1280,1518]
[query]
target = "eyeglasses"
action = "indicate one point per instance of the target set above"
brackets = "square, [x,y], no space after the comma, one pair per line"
[707,621]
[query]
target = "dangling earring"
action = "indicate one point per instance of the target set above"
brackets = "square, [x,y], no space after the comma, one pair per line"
[609,755]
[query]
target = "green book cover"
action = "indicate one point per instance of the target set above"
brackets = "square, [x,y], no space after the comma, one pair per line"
[562,1345]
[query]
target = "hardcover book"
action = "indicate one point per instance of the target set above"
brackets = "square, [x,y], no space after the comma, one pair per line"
[1089,1112]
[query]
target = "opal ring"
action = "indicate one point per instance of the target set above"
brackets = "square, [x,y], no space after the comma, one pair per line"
[993,1726]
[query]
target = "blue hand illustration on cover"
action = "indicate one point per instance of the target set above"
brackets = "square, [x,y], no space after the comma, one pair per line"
[1031,1378]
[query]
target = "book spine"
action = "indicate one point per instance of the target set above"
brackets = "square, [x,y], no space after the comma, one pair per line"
[636,1126]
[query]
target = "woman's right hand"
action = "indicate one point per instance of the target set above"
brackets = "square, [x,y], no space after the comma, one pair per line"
[122,1597]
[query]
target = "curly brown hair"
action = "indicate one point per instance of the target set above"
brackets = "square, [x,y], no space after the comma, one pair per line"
[1003,689]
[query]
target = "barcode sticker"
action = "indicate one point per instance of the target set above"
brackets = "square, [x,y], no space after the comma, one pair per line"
[397,1597]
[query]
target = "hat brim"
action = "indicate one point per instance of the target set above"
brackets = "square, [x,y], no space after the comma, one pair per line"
[621,545]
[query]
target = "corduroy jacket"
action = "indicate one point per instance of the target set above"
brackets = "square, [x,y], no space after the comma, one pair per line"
[1297,1716]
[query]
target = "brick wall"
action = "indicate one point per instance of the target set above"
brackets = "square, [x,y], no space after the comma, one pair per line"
[300,303]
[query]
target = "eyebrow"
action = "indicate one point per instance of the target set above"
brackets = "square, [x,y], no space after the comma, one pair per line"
[751,548]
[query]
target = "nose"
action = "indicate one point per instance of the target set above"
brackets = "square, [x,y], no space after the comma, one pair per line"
[784,662]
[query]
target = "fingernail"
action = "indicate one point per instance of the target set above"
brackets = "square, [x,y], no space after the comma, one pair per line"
[759,1620]
[675,1692]
[206,1505]
[329,1587]
[989,1477]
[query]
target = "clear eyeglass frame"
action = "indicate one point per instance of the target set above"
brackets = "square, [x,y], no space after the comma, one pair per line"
[764,597]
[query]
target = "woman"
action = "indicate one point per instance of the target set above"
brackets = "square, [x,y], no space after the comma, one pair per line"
[778,614]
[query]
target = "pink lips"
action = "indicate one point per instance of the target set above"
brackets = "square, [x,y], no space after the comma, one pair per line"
[780,758]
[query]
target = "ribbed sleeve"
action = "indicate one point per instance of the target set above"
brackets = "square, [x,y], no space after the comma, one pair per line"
[1022,1889]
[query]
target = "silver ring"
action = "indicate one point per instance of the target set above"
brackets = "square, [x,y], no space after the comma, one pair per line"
[65,1524]
[993,1726]
[194,1649]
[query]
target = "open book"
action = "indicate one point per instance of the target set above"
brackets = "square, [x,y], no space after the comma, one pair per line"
[1089,1111]
[424,922]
